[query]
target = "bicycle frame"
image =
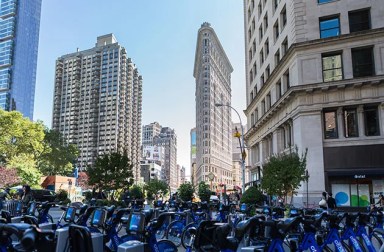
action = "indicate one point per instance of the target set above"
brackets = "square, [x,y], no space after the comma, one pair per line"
[308,243]
[362,233]
[350,235]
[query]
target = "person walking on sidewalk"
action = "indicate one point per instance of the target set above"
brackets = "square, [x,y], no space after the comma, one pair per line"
[331,202]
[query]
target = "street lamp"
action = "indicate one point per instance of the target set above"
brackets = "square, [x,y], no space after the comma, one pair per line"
[242,146]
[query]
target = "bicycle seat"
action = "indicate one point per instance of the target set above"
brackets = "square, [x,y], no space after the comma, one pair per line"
[15,228]
[288,224]
[364,218]
[243,226]
[220,237]
[156,224]
[120,213]
[350,218]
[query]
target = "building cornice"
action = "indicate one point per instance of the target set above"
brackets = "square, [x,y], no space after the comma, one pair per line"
[311,88]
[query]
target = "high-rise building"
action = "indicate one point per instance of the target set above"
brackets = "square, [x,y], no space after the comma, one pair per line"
[149,132]
[19,40]
[212,71]
[97,102]
[168,140]
[182,179]
[315,80]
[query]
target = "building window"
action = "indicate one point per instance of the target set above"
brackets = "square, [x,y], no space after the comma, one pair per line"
[284,46]
[287,82]
[350,122]
[278,90]
[276,30]
[256,115]
[260,33]
[261,57]
[362,62]
[262,80]
[277,57]
[283,17]
[330,124]
[266,46]
[371,121]
[359,20]
[329,27]
[263,107]
[332,67]
[265,22]
[276,3]
[267,72]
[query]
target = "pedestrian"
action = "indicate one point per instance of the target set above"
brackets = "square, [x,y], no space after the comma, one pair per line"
[323,201]
[380,202]
[3,196]
[331,202]
[27,195]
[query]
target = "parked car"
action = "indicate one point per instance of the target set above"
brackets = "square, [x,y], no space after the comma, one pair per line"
[43,195]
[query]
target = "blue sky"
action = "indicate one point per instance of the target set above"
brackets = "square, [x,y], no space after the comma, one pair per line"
[160,37]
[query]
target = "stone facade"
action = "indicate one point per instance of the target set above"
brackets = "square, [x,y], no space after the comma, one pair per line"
[315,80]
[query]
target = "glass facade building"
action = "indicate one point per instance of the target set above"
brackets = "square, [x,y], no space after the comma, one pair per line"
[19,39]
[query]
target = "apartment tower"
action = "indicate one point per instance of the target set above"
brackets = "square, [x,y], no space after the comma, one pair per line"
[212,71]
[98,101]
[19,40]
[167,139]
[315,80]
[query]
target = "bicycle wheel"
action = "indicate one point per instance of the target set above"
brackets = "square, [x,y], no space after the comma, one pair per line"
[186,236]
[174,231]
[377,241]
[160,233]
[165,245]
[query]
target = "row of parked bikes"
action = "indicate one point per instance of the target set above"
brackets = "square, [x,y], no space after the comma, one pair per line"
[201,227]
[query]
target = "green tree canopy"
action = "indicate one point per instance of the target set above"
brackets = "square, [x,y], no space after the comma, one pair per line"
[136,192]
[204,192]
[19,135]
[186,191]
[155,186]
[26,169]
[111,172]
[57,156]
[284,173]
[252,196]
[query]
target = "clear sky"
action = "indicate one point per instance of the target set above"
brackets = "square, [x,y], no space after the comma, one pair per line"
[160,37]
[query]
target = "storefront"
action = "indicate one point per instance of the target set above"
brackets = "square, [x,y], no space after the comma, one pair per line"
[355,190]
[354,173]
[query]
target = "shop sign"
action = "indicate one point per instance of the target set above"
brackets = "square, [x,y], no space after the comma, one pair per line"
[359,176]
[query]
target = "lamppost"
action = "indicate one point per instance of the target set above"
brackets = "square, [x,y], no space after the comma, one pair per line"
[242,146]
[307,180]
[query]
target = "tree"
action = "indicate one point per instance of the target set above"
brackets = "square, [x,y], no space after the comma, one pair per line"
[154,187]
[284,173]
[186,191]
[252,196]
[57,156]
[204,192]
[19,135]
[136,192]
[9,177]
[26,169]
[111,172]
